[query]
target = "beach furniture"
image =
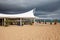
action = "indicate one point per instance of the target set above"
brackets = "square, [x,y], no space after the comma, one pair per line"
[50,23]
[45,22]
[55,21]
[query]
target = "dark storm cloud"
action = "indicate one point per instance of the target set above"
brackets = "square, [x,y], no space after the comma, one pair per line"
[19,6]
[51,10]
[52,15]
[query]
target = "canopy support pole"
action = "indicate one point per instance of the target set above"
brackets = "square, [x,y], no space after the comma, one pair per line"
[20,22]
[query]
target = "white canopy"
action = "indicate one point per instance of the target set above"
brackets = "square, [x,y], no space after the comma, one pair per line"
[28,14]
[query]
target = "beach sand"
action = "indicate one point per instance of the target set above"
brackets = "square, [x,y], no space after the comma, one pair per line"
[30,32]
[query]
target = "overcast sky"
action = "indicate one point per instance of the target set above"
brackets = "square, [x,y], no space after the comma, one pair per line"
[20,6]
[50,10]
[43,8]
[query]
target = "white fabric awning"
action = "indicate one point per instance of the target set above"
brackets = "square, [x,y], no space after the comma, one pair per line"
[28,14]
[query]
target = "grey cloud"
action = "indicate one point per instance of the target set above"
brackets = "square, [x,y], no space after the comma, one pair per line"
[51,15]
[50,10]
[22,5]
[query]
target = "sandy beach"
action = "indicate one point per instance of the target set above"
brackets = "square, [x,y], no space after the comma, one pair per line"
[30,32]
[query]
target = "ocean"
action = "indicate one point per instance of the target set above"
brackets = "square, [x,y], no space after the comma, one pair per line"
[47,20]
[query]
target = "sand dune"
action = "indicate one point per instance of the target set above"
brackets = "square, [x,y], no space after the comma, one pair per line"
[28,32]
